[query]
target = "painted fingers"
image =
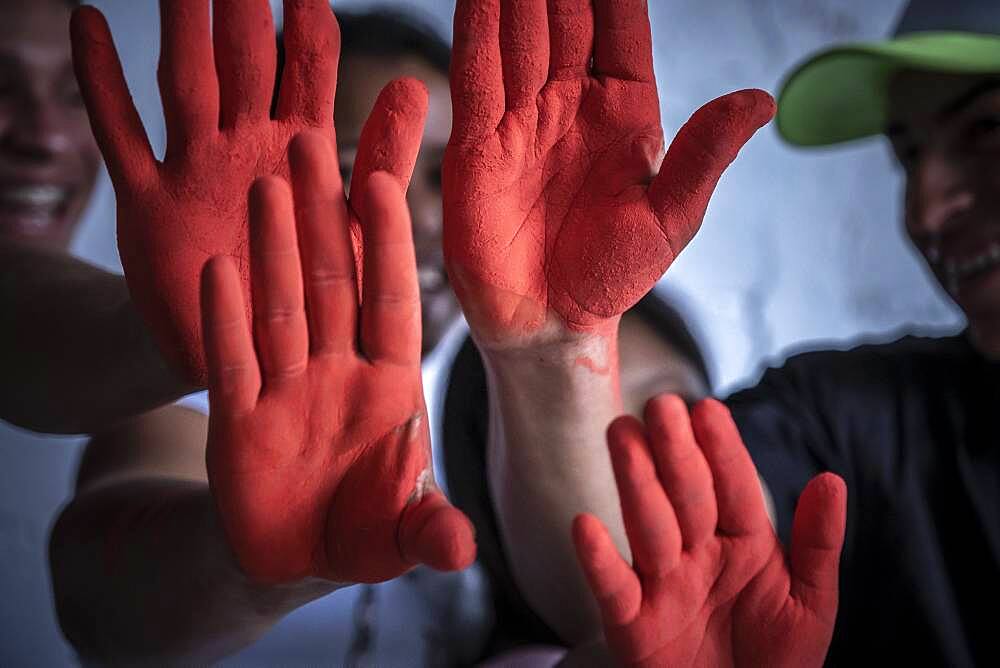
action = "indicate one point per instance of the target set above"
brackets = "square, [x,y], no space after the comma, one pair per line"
[623,46]
[699,154]
[245,59]
[390,138]
[683,480]
[312,53]
[113,118]
[218,66]
[435,533]
[817,538]
[189,88]
[507,50]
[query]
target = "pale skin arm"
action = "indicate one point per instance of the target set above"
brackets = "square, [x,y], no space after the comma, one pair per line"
[77,357]
[140,548]
[561,210]
[547,455]
[546,462]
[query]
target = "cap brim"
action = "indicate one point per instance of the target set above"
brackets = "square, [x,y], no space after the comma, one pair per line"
[842,94]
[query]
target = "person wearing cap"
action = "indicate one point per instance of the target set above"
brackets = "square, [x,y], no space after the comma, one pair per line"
[910,425]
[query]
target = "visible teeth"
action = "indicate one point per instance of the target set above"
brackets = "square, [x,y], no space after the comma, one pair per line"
[429,278]
[955,271]
[33,196]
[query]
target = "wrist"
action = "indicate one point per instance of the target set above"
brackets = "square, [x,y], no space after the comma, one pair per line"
[556,347]
[569,375]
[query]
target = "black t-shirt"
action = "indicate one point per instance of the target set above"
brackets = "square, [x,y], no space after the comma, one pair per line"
[911,426]
[913,429]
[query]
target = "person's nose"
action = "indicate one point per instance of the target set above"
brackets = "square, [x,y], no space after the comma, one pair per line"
[40,130]
[938,192]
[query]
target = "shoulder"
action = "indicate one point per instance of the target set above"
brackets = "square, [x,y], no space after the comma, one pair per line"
[862,372]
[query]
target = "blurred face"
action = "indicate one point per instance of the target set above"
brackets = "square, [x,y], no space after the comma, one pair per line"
[48,157]
[360,81]
[650,366]
[945,131]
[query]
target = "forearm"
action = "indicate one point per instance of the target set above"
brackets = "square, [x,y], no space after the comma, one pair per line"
[76,355]
[142,574]
[547,462]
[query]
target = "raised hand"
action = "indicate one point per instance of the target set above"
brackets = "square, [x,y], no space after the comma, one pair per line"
[318,451]
[710,584]
[556,209]
[216,80]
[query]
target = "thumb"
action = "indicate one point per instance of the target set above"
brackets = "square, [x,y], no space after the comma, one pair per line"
[390,139]
[700,152]
[817,540]
[435,533]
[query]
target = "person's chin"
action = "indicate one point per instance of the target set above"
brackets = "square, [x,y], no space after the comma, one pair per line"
[979,298]
[51,232]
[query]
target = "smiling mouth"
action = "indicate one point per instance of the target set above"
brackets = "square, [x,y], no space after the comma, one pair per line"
[955,272]
[34,206]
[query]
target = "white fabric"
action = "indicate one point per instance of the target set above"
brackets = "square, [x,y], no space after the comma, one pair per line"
[37,477]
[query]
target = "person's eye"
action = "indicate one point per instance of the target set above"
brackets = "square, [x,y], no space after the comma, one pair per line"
[985,128]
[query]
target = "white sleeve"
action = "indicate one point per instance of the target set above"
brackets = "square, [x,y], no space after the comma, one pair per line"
[196,402]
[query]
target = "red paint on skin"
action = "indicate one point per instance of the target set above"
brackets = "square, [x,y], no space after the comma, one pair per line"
[591,365]
[217,89]
[554,200]
[319,456]
[710,583]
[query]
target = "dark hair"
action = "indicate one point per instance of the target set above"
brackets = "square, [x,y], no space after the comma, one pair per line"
[660,316]
[385,32]
[392,33]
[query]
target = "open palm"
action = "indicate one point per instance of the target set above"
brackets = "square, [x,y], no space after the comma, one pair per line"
[710,584]
[319,454]
[554,202]
[217,81]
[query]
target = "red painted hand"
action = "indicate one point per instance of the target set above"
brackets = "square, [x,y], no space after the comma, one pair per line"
[217,90]
[554,208]
[318,450]
[710,585]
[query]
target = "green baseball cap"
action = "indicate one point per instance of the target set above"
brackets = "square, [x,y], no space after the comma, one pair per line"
[842,93]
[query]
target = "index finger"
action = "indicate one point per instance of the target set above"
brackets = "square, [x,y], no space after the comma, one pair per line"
[623,46]
[390,307]
[477,86]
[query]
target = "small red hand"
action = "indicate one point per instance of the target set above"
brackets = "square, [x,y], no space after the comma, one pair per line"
[217,80]
[318,453]
[556,209]
[710,584]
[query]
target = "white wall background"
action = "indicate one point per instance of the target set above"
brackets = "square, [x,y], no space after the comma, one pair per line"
[798,246]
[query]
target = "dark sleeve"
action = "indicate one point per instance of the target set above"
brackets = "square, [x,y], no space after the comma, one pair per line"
[466,425]
[794,429]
